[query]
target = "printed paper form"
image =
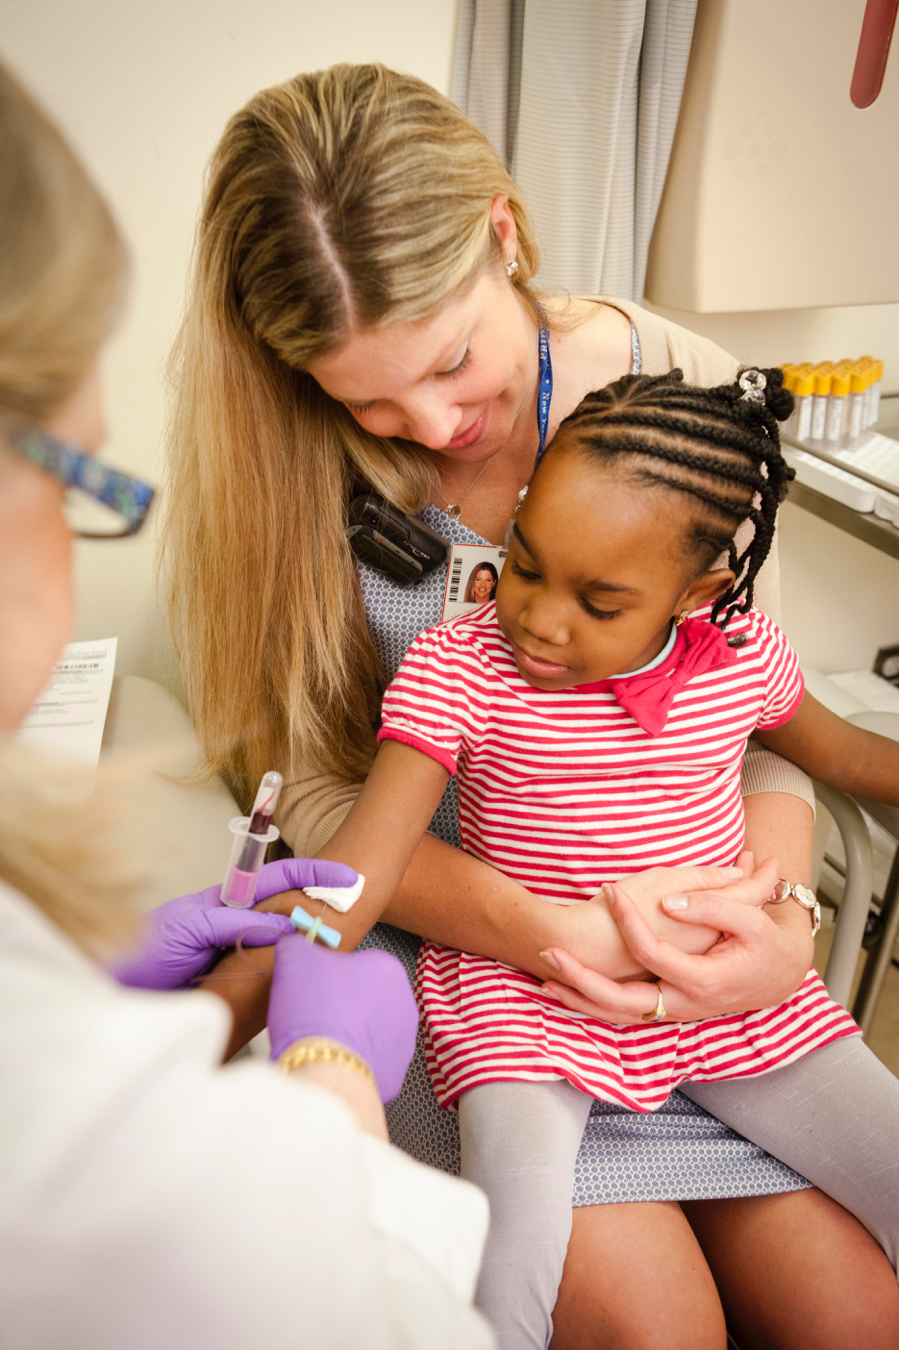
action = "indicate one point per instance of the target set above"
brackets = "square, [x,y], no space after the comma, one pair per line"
[67,720]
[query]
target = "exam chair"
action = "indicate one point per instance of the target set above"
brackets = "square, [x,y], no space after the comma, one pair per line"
[859,886]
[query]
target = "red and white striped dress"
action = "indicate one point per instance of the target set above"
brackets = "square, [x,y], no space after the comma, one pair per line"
[563,790]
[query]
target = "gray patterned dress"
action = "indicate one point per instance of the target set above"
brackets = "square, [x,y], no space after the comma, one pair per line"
[676,1153]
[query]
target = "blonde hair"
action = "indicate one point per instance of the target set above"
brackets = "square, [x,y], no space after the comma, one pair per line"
[61,262]
[349,198]
[61,274]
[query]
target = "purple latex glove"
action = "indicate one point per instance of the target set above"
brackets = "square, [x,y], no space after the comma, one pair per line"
[182,937]
[361,999]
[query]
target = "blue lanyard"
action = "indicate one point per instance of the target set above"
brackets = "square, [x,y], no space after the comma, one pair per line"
[545,392]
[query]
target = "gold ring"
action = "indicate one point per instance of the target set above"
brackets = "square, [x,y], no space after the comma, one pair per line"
[658,1012]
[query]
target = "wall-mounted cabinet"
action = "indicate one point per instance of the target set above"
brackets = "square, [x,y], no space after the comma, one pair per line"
[780,193]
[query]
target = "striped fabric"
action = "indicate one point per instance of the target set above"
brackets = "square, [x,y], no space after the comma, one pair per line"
[562,791]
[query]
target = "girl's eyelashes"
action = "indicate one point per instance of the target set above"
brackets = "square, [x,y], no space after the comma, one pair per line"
[599,613]
[359,407]
[520,571]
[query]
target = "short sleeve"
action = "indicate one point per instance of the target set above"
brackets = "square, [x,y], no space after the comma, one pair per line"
[784,685]
[436,701]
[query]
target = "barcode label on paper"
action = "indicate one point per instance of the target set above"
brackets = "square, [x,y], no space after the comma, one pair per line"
[455,581]
[471,577]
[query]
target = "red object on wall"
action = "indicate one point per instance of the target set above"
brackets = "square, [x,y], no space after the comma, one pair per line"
[873,50]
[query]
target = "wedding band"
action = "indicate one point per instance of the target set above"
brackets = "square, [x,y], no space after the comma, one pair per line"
[658,1012]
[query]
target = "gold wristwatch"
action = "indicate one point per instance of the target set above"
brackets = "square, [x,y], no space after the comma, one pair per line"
[803,895]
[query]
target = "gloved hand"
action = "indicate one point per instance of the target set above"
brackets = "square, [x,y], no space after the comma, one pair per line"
[361,999]
[181,938]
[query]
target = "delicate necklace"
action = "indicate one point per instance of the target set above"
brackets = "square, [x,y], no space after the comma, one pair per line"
[454,509]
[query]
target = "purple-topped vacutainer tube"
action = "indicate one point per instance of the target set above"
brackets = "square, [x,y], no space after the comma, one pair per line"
[252,836]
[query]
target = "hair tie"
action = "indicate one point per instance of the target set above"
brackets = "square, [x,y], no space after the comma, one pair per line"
[753,384]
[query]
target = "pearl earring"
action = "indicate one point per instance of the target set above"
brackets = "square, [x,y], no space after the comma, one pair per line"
[684,614]
[512,269]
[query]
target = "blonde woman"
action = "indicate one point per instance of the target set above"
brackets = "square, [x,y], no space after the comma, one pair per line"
[362,316]
[147,1197]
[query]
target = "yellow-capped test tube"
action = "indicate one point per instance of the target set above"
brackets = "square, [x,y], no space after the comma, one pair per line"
[874,395]
[823,379]
[803,390]
[836,406]
[856,408]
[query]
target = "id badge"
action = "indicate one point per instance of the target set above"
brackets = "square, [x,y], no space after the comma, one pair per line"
[471,577]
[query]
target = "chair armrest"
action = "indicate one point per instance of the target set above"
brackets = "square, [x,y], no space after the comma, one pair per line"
[853,915]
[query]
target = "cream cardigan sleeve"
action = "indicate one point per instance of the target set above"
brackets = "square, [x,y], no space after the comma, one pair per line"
[311,808]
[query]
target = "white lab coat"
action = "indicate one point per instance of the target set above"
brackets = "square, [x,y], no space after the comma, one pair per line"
[150,1199]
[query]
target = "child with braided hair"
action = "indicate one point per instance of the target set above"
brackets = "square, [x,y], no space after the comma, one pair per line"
[596,716]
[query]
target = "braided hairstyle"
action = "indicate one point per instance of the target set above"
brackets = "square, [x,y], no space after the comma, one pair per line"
[718,446]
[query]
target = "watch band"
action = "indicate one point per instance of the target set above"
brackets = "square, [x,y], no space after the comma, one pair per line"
[307,1052]
[803,895]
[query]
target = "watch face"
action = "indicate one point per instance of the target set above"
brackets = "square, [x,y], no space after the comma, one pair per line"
[805,895]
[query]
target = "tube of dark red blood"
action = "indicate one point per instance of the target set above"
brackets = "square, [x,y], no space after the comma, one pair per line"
[252,836]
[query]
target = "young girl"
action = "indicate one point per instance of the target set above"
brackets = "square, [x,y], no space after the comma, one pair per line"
[596,717]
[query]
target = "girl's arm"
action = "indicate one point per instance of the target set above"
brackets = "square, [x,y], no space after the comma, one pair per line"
[838,753]
[383,830]
[450,897]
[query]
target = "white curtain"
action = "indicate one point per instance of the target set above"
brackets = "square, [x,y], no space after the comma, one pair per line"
[580,98]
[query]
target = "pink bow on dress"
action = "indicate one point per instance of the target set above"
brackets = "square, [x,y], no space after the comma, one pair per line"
[700,646]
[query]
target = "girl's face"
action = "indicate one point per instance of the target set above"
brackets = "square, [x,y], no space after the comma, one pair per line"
[596,571]
[453,383]
[37,605]
[483,585]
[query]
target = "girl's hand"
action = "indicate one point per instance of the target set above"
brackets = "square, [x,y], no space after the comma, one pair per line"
[589,933]
[756,964]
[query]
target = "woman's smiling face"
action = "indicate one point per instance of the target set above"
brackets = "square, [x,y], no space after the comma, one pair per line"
[453,383]
[596,570]
[483,585]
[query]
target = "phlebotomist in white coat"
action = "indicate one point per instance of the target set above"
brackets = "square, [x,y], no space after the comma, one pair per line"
[148,1198]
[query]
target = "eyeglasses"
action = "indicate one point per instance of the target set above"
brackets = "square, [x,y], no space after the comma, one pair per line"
[100,502]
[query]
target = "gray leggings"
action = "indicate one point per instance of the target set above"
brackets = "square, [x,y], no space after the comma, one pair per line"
[833,1116]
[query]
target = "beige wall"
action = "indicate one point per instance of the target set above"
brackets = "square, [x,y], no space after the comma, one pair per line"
[143,91]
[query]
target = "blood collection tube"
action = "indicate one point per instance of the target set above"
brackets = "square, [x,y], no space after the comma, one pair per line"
[856,408]
[877,381]
[803,390]
[252,836]
[836,406]
[822,383]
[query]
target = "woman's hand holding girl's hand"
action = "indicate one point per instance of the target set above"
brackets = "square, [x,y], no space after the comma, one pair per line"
[591,934]
[182,938]
[757,963]
[362,1000]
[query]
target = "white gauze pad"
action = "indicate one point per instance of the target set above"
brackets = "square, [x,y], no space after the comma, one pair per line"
[340,898]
